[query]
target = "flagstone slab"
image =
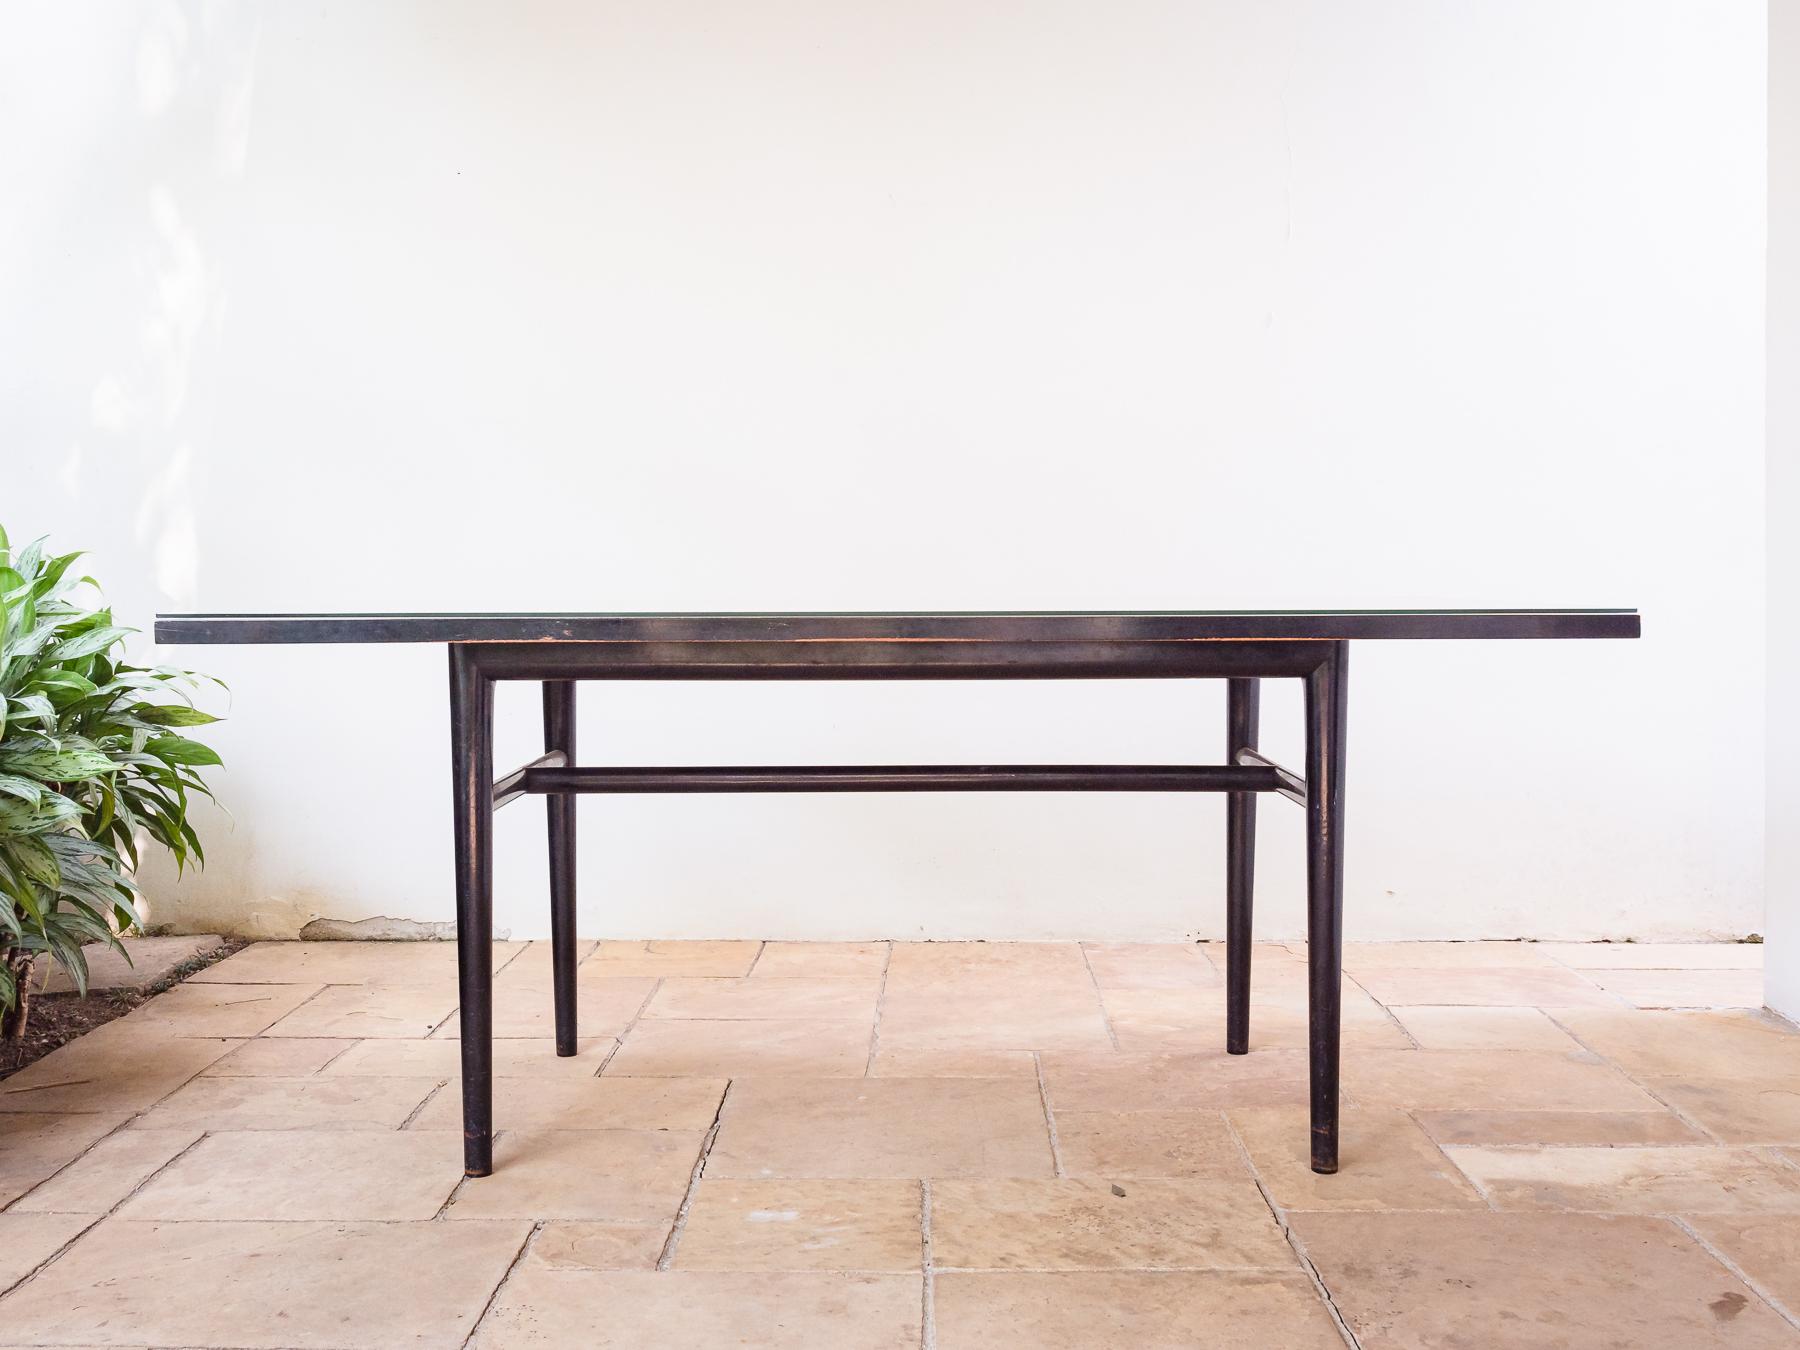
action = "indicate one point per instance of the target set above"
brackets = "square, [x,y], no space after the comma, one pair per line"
[144,962]
[1084,1224]
[267,1286]
[1131,1310]
[1532,1282]
[106,1173]
[544,1306]
[882,1127]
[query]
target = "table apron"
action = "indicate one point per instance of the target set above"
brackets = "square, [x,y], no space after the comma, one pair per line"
[898,659]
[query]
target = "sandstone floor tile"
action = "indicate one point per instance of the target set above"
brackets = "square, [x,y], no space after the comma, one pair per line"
[1531,1282]
[565,1244]
[893,1062]
[28,1240]
[219,1010]
[802,1225]
[1131,1310]
[1385,1162]
[35,1146]
[315,1103]
[1175,1080]
[586,1104]
[882,1127]
[150,959]
[698,997]
[429,963]
[114,1068]
[1690,1180]
[1263,955]
[1081,1224]
[1049,967]
[1151,965]
[535,961]
[527,1011]
[106,1173]
[1484,1029]
[360,1012]
[612,1176]
[1558,1127]
[275,1057]
[821,960]
[1473,1080]
[1763,1247]
[268,1285]
[1147,1020]
[1738,1110]
[1523,986]
[676,1048]
[671,958]
[997,1020]
[633,1310]
[1373,956]
[1683,988]
[1656,955]
[1696,1044]
[1111,1144]
[296,1174]
[443,1059]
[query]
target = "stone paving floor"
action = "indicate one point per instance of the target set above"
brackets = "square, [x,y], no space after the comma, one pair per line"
[872,1146]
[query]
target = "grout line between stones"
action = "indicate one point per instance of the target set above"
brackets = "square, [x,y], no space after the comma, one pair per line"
[619,1042]
[1451,1162]
[120,1203]
[1292,1238]
[1780,1309]
[1037,1064]
[880,1003]
[336,1056]
[667,1257]
[413,1114]
[506,1275]
[1638,1082]
[1392,1016]
[1099,995]
[928,1268]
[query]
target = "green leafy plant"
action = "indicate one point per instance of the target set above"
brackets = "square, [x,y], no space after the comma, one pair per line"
[92,762]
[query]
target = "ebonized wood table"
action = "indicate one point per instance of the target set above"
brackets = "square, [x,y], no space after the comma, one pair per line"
[1242,648]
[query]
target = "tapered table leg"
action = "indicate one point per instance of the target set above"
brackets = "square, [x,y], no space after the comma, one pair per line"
[1243,699]
[472,771]
[559,734]
[1326,698]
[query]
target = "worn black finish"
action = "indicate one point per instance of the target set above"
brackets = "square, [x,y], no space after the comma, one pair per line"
[559,741]
[911,778]
[1293,786]
[472,774]
[1243,704]
[1243,648]
[512,786]
[876,659]
[1179,625]
[1327,696]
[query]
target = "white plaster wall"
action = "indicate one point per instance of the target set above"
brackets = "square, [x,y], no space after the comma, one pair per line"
[1782,958]
[796,304]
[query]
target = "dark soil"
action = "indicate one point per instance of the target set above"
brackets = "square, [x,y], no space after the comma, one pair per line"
[57,1019]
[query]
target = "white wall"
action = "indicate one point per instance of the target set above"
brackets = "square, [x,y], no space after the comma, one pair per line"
[812,304]
[1782,959]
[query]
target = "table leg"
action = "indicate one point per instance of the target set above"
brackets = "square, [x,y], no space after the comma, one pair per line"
[1243,699]
[559,734]
[472,766]
[1326,701]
